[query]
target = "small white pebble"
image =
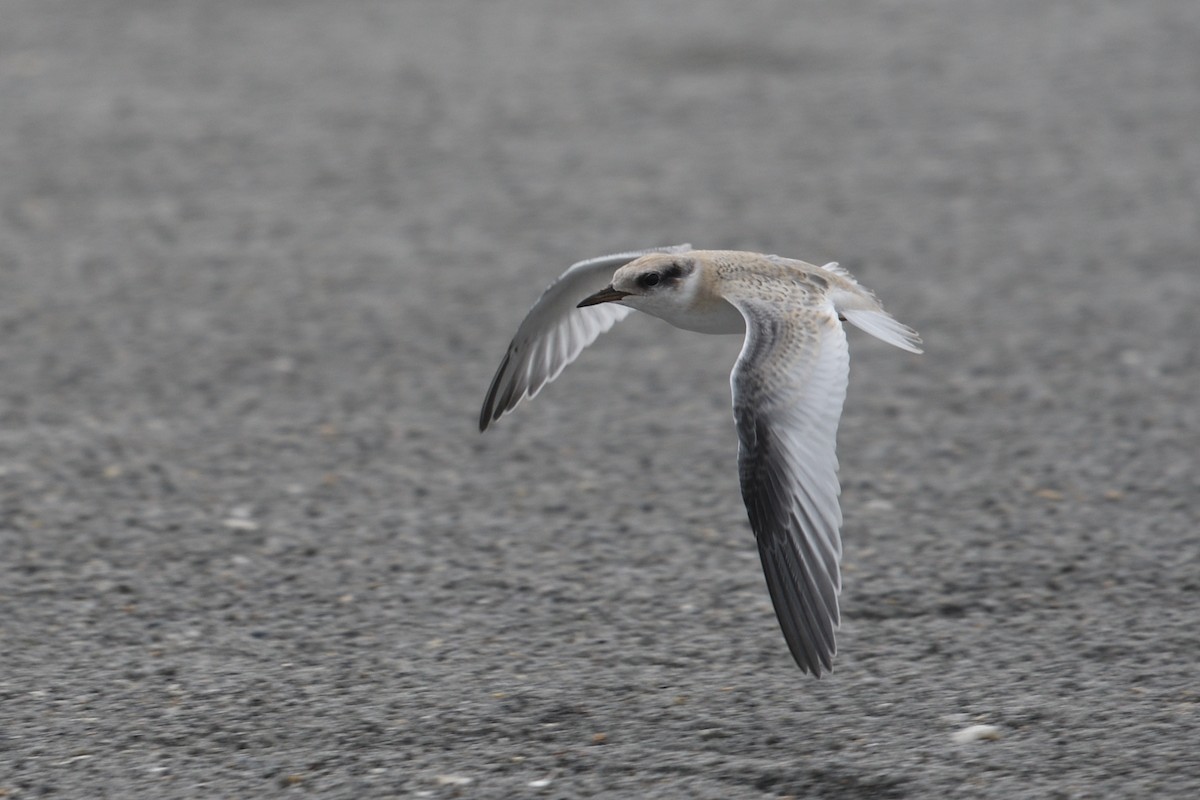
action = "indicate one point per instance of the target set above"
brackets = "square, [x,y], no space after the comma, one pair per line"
[240,524]
[1131,358]
[539,784]
[284,364]
[452,780]
[976,733]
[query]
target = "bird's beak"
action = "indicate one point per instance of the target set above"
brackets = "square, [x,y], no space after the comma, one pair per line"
[605,295]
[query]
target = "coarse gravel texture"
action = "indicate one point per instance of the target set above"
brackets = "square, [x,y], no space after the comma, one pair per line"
[259,259]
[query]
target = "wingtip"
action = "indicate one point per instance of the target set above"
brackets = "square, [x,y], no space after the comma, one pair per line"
[817,668]
[485,413]
[820,666]
[489,413]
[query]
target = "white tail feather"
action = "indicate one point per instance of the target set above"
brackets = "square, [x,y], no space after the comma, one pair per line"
[883,326]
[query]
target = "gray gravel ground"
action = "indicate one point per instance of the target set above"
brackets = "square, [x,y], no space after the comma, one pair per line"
[258,261]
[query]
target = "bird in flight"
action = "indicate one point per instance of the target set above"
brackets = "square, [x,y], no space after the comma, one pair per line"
[789,383]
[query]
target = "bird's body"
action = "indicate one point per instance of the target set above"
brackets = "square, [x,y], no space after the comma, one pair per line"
[789,384]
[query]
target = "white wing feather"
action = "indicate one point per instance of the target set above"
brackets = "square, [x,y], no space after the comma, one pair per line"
[554,331]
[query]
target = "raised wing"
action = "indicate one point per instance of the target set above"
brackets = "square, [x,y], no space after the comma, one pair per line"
[554,331]
[789,384]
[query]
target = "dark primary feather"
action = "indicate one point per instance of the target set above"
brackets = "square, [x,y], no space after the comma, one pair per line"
[789,384]
[806,603]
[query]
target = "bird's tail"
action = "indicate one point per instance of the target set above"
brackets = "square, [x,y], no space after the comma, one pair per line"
[860,308]
[884,326]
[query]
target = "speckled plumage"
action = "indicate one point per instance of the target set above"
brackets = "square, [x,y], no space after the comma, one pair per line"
[789,384]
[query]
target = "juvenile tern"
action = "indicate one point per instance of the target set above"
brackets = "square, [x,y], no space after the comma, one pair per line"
[789,383]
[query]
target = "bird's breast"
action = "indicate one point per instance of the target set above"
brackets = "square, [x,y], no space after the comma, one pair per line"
[717,316]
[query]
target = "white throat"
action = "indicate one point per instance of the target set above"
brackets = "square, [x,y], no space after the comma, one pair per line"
[692,309]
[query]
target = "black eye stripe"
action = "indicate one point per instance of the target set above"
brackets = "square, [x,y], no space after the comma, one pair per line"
[649,280]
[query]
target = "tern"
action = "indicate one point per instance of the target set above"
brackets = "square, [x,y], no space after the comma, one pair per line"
[789,384]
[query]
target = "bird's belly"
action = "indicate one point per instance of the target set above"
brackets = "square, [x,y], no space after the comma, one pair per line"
[718,317]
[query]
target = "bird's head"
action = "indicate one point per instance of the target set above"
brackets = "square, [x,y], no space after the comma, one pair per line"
[659,282]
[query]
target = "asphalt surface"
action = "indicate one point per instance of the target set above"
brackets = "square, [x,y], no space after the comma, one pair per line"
[258,261]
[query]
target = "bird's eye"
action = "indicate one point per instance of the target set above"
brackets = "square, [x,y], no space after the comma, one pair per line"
[650,279]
